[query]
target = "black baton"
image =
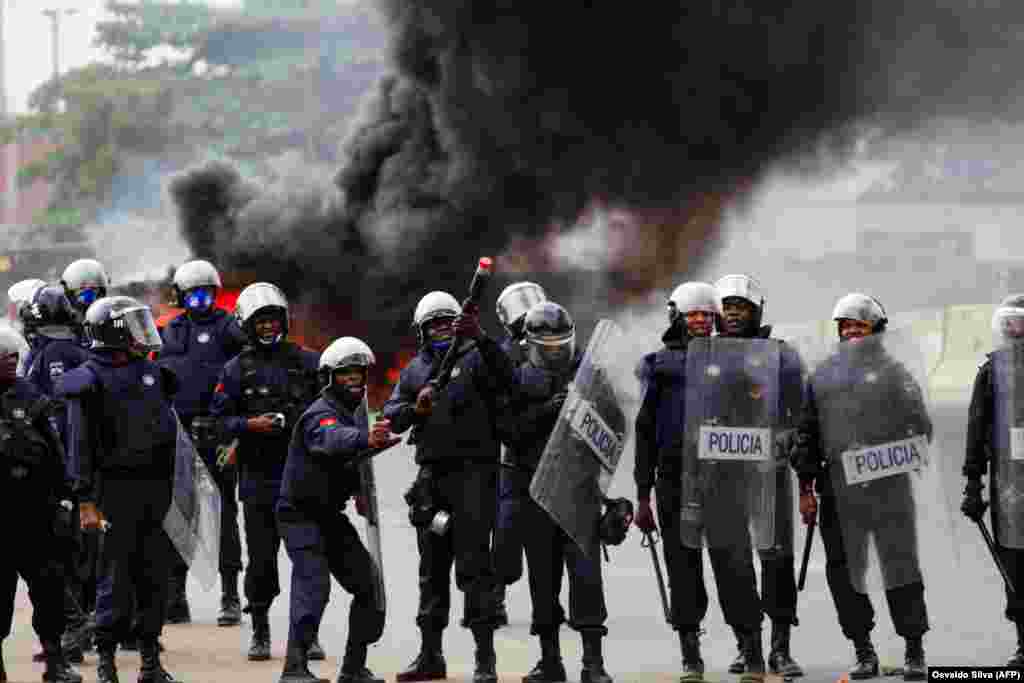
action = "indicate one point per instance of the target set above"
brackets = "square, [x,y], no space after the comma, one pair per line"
[649,541]
[995,555]
[807,555]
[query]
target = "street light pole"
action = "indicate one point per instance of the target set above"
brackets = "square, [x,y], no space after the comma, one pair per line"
[54,16]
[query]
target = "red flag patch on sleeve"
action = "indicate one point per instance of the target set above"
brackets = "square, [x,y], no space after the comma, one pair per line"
[219,389]
[328,421]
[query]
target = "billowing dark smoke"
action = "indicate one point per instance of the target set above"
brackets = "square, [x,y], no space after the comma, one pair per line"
[505,119]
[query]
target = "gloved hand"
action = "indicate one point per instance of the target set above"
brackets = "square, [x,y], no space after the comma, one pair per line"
[644,518]
[467,325]
[88,516]
[63,520]
[425,401]
[973,506]
[380,435]
[808,503]
[554,403]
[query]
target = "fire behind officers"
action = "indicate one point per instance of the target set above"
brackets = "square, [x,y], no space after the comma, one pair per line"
[196,346]
[457,450]
[36,491]
[258,400]
[321,474]
[526,426]
[660,435]
[996,414]
[122,442]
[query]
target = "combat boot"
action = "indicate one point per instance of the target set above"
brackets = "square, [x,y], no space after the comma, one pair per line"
[753,658]
[867,660]
[151,670]
[230,606]
[106,668]
[1017,660]
[429,664]
[550,668]
[779,659]
[353,666]
[740,663]
[259,647]
[486,659]
[296,667]
[178,611]
[593,661]
[693,665]
[316,651]
[914,668]
[57,668]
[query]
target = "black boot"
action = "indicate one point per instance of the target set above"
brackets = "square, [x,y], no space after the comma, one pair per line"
[106,668]
[779,659]
[57,669]
[914,668]
[296,666]
[753,657]
[593,662]
[259,648]
[316,651]
[550,668]
[230,606]
[429,664]
[177,602]
[353,667]
[693,665]
[486,659]
[867,660]
[740,663]
[1017,660]
[151,670]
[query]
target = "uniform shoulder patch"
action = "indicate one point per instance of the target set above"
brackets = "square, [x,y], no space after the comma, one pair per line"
[219,389]
[328,422]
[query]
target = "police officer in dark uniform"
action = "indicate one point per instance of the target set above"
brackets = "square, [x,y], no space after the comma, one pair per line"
[260,396]
[525,427]
[122,437]
[693,309]
[997,407]
[19,295]
[857,318]
[84,281]
[742,316]
[197,345]
[36,490]
[457,449]
[320,476]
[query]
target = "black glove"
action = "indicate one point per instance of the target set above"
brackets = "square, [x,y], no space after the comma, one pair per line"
[802,457]
[64,521]
[973,506]
[554,403]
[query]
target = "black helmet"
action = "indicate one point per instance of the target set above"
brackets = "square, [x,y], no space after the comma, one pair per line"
[50,308]
[550,336]
[121,322]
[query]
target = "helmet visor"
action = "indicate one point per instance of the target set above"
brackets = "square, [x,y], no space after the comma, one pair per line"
[141,326]
[553,352]
[516,303]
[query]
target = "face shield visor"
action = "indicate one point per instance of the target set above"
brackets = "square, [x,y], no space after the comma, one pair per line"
[515,302]
[551,352]
[141,327]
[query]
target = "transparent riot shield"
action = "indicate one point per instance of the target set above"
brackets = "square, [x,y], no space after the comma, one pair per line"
[194,517]
[581,456]
[730,461]
[368,489]
[876,432]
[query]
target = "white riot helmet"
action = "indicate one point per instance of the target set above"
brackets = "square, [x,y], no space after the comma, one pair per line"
[195,274]
[1008,320]
[344,353]
[693,296]
[433,305]
[746,288]
[261,297]
[513,304]
[85,281]
[857,306]
[19,295]
[12,342]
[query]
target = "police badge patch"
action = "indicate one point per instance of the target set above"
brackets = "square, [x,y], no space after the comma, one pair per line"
[148,380]
[203,337]
[56,368]
[18,413]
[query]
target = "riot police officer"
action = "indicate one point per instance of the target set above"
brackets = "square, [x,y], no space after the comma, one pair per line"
[85,281]
[19,296]
[512,306]
[996,410]
[693,309]
[457,450]
[526,425]
[861,394]
[196,346]
[37,492]
[320,475]
[122,449]
[260,396]
[743,308]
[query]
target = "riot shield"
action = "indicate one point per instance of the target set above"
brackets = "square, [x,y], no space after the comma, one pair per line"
[368,489]
[1008,445]
[581,456]
[876,432]
[730,461]
[193,519]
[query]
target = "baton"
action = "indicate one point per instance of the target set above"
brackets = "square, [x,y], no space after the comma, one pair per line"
[649,541]
[995,555]
[807,555]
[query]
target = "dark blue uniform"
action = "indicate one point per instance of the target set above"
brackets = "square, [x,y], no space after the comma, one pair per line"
[122,439]
[197,349]
[281,379]
[525,426]
[458,451]
[52,358]
[33,480]
[319,478]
